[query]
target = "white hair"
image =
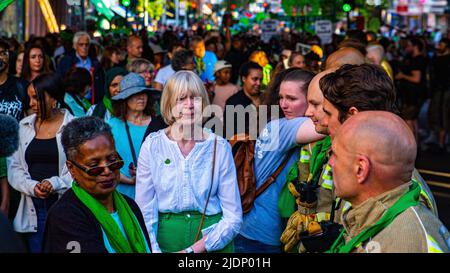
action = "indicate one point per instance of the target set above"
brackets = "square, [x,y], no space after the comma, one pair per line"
[376,47]
[80,34]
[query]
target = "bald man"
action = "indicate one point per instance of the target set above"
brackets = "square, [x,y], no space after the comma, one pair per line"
[372,161]
[356,88]
[134,47]
[313,177]
[345,55]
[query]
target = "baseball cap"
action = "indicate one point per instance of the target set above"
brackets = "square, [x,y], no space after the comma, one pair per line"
[221,65]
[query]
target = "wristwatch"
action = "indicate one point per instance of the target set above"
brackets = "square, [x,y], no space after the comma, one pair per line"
[189,250]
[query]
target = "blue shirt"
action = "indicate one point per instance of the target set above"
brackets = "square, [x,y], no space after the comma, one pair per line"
[86,64]
[78,110]
[124,150]
[263,222]
[116,218]
[210,60]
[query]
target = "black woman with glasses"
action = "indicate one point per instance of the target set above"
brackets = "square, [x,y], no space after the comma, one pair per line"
[92,216]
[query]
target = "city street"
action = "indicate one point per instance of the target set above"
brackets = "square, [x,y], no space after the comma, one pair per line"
[224,126]
[435,169]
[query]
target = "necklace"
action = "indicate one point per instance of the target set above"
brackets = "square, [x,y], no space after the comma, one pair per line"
[49,132]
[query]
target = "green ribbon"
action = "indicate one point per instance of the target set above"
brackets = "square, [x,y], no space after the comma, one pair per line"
[135,242]
[409,199]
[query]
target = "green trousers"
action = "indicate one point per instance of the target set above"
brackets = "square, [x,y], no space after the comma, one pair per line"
[176,231]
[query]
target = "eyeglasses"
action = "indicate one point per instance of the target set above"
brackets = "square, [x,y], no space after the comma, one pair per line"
[147,72]
[4,53]
[83,44]
[96,171]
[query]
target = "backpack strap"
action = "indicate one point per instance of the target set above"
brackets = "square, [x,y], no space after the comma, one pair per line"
[274,176]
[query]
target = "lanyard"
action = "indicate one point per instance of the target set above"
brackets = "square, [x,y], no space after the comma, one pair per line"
[409,199]
[319,158]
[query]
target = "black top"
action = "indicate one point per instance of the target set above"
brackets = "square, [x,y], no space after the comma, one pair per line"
[9,241]
[42,158]
[413,64]
[237,99]
[70,222]
[236,59]
[441,67]
[155,125]
[13,98]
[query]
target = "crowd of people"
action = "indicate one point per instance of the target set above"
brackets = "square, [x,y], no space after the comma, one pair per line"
[131,144]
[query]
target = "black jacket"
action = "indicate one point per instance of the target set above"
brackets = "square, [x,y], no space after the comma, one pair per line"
[71,224]
[98,86]
[237,99]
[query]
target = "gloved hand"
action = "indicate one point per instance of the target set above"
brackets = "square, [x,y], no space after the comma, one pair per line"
[299,225]
[289,237]
[293,190]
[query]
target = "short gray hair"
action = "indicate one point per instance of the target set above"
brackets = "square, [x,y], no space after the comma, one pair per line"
[136,64]
[80,130]
[78,35]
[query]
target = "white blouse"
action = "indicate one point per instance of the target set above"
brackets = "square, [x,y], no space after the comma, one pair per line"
[168,182]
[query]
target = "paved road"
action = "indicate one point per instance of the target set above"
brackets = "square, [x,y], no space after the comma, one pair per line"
[435,169]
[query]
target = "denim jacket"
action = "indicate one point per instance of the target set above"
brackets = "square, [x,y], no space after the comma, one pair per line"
[20,179]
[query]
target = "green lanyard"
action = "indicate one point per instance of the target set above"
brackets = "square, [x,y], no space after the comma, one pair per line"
[319,157]
[409,199]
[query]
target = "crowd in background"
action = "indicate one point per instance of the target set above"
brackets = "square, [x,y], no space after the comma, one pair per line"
[133,82]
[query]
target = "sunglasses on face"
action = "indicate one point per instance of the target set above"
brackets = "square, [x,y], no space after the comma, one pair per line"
[96,171]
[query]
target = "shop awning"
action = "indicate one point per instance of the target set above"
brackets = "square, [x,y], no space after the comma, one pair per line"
[102,9]
[4,4]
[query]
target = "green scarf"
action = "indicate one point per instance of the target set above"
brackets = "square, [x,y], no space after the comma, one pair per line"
[107,103]
[135,242]
[409,199]
[286,202]
[86,104]
[199,65]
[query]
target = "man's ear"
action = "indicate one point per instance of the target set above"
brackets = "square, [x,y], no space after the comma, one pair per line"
[363,168]
[353,111]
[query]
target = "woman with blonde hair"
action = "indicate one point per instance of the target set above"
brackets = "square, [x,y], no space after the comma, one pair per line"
[186,183]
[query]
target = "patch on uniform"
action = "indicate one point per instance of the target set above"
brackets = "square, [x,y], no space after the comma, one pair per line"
[373,247]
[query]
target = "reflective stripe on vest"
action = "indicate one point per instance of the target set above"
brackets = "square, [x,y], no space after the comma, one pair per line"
[433,246]
[304,156]
[327,178]
[424,194]
[347,206]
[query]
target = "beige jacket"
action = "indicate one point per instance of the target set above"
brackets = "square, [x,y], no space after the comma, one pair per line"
[326,194]
[416,230]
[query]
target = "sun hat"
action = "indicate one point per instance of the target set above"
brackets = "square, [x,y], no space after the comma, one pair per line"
[221,65]
[131,84]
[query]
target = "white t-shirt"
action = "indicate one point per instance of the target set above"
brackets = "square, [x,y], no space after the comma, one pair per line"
[164,74]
